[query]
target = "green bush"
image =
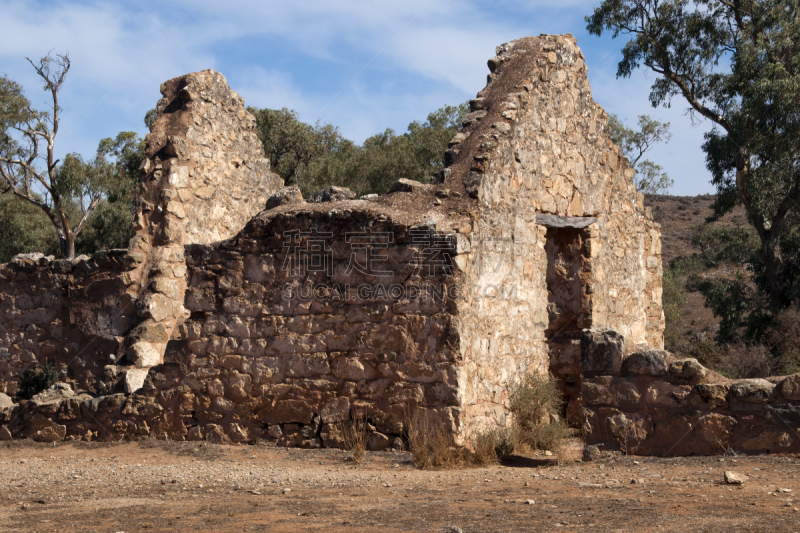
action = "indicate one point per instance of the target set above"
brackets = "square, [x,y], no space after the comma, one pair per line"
[35,380]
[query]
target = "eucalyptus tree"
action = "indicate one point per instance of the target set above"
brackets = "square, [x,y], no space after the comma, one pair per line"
[735,63]
[67,193]
[650,177]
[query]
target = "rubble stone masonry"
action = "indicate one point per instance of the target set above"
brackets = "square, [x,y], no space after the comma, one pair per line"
[645,401]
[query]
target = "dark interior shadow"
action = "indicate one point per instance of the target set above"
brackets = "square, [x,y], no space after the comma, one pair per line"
[520,461]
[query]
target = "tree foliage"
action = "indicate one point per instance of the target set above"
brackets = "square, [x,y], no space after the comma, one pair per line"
[28,230]
[735,63]
[25,229]
[111,225]
[315,156]
[650,178]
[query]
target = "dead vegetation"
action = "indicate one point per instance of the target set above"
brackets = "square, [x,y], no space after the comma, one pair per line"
[356,436]
[534,402]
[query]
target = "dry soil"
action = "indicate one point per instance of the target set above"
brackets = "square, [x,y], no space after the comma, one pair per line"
[156,486]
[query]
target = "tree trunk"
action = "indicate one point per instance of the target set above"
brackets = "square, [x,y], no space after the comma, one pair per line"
[67,244]
[773,263]
[768,232]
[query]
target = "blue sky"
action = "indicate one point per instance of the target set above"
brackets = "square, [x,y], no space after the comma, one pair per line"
[361,65]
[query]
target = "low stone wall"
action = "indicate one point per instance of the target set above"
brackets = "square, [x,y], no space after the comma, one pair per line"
[279,347]
[304,349]
[70,313]
[648,403]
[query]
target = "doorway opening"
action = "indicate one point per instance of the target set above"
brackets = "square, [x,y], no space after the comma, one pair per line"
[569,309]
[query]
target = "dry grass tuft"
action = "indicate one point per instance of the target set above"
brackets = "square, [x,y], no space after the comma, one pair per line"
[356,435]
[432,445]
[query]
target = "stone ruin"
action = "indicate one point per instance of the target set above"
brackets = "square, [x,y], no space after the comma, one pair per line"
[230,322]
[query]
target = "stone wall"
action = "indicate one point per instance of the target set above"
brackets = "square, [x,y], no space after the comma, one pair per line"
[648,403]
[70,313]
[306,349]
[435,297]
[537,154]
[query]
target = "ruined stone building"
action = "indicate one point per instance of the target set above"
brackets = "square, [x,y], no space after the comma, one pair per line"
[242,312]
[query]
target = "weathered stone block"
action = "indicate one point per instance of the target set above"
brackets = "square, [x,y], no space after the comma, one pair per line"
[716,429]
[216,435]
[352,369]
[337,410]
[615,392]
[752,391]
[629,430]
[285,195]
[308,365]
[688,369]
[790,387]
[5,401]
[168,287]
[145,354]
[291,411]
[712,395]
[134,379]
[43,429]
[601,350]
[665,394]
[649,363]
[156,306]
[406,185]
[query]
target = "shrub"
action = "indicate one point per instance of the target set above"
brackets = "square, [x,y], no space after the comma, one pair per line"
[535,402]
[742,361]
[484,444]
[34,380]
[431,445]
[737,360]
[707,352]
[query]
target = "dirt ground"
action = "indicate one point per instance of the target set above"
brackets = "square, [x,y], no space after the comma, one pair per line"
[158,486]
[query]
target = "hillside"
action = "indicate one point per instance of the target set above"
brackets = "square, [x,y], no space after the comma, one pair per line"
[680,216]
